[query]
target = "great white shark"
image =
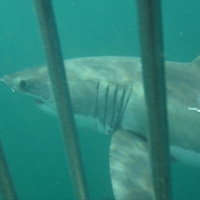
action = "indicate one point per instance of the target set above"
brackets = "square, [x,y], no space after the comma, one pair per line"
[108,92]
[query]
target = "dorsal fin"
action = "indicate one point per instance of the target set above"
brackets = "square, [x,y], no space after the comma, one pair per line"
[196,61]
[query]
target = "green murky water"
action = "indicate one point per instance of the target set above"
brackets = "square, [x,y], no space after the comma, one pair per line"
[31,138]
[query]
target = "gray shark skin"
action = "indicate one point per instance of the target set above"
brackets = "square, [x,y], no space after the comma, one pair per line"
[108,91]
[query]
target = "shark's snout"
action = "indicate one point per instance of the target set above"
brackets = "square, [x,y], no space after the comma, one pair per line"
[3,79]
[6,81]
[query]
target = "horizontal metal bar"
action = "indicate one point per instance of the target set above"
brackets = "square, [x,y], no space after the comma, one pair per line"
[48,29]
[151,42]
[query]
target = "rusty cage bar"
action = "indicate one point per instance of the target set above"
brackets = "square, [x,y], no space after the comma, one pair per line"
[50,39]
[151,43]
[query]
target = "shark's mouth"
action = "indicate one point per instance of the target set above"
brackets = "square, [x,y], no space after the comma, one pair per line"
[46,106]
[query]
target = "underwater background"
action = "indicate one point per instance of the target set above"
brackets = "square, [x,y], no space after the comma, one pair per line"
[31,138]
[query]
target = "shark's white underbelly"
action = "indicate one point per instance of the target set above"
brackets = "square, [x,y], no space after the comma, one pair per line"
[86,123]
[185,156]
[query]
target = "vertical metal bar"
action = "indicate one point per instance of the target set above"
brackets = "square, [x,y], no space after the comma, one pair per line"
[48,29]
[151,42]
[7,189]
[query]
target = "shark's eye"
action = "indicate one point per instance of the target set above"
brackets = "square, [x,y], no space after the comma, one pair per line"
[22,84]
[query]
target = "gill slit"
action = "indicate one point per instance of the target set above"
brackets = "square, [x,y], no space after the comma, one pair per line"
[105,108]
[96,105]
[114,104]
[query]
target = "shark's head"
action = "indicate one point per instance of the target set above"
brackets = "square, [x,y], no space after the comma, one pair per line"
[94,93]
[32,82]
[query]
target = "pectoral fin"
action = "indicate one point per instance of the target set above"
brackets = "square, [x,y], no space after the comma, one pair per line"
[130,167]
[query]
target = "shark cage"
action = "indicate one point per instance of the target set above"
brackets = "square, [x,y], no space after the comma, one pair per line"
[151,43]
